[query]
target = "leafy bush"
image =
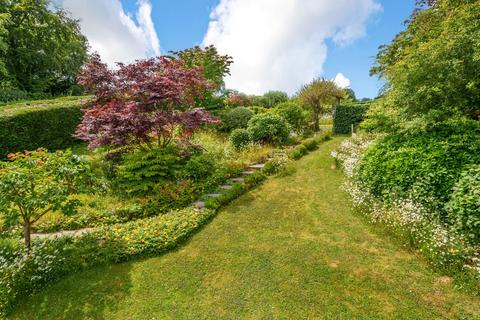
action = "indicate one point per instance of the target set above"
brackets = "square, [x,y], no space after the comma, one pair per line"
[274,165]
[273,98]
[404,217]
[240,138]
[227,196]
[299,152]
[422,165]
[49,260]
[10,95]
[464,206]
[236,118]
[35,183]
[255,179]
[142,170]
[257,109]
[40,124]
[268,128]
[311,144]
[294,114]
[199,167]
[346,115]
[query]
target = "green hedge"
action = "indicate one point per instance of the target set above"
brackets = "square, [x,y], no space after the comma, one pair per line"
[348,114]
[30,125]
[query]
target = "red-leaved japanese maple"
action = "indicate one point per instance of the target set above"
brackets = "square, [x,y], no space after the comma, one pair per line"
[142,103]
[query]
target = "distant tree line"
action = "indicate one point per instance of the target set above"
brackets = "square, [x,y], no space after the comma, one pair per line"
[41,48]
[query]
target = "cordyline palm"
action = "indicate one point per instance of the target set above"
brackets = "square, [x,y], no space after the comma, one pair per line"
[319,94]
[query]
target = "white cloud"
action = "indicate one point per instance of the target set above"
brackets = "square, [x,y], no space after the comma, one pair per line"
[112,32]
[342,81]
[280,44]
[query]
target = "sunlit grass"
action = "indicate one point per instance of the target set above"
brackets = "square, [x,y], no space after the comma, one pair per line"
[291,249]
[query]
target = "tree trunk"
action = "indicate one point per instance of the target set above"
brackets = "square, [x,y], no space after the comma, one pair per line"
[26,235]
[316,124]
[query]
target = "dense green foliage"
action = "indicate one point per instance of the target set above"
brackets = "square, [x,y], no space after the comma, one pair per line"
[35,183]
[348,114]
[299,151]
[42,48]
[432,68]
[215,68]
[141,171]
[464,206]
[421,165]
[52,259]
[199,167]
[272,98]
[48,124]
[240,138]
[236,118]
[297,230]
[294,114]
[318,96]
[268,128]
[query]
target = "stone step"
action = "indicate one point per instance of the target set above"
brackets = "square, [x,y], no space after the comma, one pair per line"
[213,195]
[226,187]
[237,179]
[199,204]
[256,166]
[247,173]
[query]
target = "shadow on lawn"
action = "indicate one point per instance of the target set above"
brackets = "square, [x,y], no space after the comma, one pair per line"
[100,290]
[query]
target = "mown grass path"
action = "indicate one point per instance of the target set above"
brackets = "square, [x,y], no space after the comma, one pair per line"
[291,249]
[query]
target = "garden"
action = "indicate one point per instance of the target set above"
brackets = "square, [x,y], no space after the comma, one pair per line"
[105,167]
[163,149]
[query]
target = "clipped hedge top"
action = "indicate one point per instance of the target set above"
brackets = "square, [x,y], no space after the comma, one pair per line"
[14,109]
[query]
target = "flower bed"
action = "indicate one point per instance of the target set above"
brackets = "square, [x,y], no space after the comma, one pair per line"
[444,248]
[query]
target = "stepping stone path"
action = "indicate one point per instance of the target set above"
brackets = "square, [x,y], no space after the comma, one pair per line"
[199,204]
[250,170]
[213,195]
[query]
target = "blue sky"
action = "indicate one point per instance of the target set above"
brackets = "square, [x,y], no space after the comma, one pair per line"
[273,47]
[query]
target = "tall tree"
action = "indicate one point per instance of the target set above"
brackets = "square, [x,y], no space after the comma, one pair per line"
[432,68]
[215,68]
[142,104]
[318,95]
[45,48]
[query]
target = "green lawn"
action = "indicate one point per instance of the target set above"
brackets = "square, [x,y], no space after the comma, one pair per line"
[291,249]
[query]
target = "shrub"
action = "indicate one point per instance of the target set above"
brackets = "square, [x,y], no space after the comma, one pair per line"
[227,196]
[199,167]
[40,124]
[257,109]
[311,144]
[299,152]
[464,206]
[268,128]
[273,166]
[35,183]
[142,170]
[12,95]
[422,165]
[255,179]
[236,118]
[346,115]
[294,114]
[240,138]
[273,98]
